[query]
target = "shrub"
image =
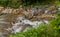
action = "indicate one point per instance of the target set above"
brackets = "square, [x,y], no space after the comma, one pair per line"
[16,3]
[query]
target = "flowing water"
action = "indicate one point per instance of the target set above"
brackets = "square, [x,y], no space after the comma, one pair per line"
[12,23]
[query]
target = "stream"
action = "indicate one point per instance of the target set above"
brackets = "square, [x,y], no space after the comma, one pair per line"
[24,22]
[19,20]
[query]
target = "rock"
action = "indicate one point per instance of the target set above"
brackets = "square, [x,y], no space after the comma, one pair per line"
[15,11]
[17,20]
[1,9]
[7,10]
[37,10]
[59,9]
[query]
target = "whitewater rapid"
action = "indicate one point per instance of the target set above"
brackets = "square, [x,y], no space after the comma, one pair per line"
[17,27]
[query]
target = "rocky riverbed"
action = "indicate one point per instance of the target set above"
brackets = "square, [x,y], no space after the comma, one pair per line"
[20,19]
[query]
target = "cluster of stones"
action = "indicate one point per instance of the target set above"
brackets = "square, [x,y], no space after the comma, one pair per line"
[30,13]
[33,13]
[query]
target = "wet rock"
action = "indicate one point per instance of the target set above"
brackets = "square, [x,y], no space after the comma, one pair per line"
[17,20]
[37,10]
[52,8]
[58,9]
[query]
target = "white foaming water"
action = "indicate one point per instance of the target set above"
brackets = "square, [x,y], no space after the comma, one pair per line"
[45,21]
[18,30]
[33,23]
[46,11]
[59,9]
[2,19]
[1,34]
[2,22]
[17,27]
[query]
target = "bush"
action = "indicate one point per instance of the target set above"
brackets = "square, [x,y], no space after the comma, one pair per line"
[4,3]
[16,3]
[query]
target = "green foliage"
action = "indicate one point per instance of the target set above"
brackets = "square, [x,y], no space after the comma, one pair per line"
[16,3]
[57,3]
[11,3]
[4,2]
